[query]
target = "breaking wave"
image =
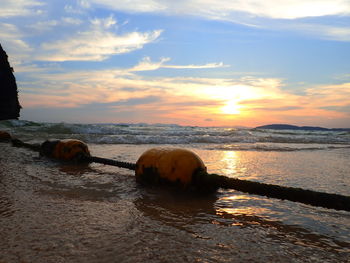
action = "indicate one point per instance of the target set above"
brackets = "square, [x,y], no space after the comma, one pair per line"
[224,138]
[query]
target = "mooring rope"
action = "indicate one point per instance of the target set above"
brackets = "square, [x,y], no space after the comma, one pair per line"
[309,197]
[19,143]
[95,159]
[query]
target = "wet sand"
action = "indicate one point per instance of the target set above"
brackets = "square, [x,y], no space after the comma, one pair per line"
[55,212]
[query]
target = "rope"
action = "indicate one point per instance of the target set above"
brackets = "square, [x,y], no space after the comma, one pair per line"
[126,165]
[309,197]
[19,143]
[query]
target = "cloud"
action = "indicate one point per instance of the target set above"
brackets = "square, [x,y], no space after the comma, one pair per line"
[329,32]
[279,109]
[11,40]
[31,68]
[147,64]
[47,25]
[229,10]
[278,15]
[125,102]
[133,5]
[10,33]
[77,7]
[83,3]
[185,100]
[117,87]
[319,102]
[345,108]
[72,21]
[330,95]
[96,44]
[107,22]
[209,65]
[292,9]
[10,8]
[336,32]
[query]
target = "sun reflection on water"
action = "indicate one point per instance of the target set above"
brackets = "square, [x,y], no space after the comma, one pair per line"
[230,159]
[236,204]
[233,164]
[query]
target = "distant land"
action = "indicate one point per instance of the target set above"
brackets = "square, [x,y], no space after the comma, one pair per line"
[293,127]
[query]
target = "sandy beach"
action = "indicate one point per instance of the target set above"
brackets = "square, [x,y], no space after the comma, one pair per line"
[57,212]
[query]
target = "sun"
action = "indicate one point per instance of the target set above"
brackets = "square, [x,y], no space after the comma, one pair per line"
[231,107]
[232,99]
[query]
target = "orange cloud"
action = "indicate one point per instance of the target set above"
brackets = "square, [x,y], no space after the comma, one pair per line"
[246,101]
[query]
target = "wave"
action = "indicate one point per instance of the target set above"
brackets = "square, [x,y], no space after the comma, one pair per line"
[278,148]
[169,134]
[17,123]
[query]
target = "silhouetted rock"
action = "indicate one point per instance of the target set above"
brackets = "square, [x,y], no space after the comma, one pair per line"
[9,104]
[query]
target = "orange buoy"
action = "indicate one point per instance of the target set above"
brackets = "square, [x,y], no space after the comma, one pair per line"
[4,136]
[67,150]
[168,165]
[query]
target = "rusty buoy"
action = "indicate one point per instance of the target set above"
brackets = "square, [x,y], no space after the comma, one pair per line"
[172,166]
[5,136]
[67,150]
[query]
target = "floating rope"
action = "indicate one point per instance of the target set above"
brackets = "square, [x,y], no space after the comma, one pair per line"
[186,170]
[19,143]
[309,197]
[126,165]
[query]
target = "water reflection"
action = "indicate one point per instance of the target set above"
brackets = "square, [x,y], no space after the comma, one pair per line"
[228,163]
[202,217]
[277,231]
[269,215]
[87,183]
[230,160]
[75,169]
[174,208]
[239,209]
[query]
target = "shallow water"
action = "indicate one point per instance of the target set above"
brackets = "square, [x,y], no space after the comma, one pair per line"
[56,212]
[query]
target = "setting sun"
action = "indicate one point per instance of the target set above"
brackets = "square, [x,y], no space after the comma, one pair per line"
[231,107]
[234,96]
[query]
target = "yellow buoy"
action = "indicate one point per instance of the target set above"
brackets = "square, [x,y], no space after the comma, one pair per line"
[5,136]
[67,150]
[170,165]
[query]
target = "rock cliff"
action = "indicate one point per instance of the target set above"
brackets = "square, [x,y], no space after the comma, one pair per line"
[9,104]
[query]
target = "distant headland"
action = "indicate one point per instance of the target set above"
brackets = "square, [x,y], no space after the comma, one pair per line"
[293,127]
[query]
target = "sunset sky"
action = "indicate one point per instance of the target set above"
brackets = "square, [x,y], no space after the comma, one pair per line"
[194,62]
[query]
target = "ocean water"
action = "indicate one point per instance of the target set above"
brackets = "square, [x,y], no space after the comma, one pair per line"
[58,212]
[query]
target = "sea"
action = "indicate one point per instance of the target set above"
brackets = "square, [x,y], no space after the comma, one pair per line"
[51,211]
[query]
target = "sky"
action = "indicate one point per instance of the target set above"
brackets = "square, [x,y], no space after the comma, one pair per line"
[194,62]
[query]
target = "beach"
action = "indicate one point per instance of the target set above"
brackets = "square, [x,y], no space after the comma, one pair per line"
[59,212]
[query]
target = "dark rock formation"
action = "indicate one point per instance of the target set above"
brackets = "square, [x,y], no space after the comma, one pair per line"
[9,104]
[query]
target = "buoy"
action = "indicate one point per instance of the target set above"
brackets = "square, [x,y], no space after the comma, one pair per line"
[4,136]
[67,150]
[169,166]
